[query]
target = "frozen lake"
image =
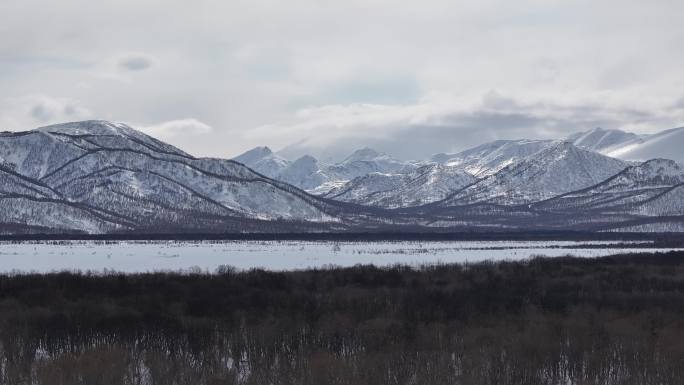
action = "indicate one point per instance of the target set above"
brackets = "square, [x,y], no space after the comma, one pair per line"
[278,255]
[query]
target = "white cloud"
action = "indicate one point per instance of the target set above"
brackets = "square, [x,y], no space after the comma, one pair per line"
[186,128]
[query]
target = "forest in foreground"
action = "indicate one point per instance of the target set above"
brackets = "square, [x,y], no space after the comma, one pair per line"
[607,321]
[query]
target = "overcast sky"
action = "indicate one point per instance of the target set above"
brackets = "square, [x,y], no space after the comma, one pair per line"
[411,78]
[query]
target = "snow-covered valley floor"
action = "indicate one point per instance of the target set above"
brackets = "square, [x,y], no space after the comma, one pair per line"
[132,257]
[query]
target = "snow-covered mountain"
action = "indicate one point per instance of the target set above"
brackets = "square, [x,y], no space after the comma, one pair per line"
[427,184]
[365,161]
[27,204]
[512,173]
[665,144]
[304,173]
[490,158]
[97,176]
[628,146]
[645,197]
[103,177]
[631,191]
[263,161]
[556,169]
[602,140]
[353,179]
[654,173]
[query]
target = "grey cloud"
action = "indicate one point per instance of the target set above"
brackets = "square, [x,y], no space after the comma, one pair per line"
[135,62]
[423,141]
[42,113]
[405,135]
[29,111]
[70,110]
[46,109]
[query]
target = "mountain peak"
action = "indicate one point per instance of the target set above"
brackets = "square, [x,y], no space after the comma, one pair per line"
[564,151]
[103,133]
[600,129]
[262,150]
[600,139]
[263,160]
[90,127]
[303,173]
[362,154]
[557,169]
[254,155]
[306,159]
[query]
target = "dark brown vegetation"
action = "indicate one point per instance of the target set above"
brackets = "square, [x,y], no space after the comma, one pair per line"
[616,320]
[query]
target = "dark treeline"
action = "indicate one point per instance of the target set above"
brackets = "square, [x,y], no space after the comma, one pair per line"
[615,320]
[659,239]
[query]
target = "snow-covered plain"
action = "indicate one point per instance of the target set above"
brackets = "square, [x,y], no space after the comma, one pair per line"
[207,256]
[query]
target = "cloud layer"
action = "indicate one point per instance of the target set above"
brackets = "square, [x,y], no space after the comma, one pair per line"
[176,128]
[410,77]
[449,124]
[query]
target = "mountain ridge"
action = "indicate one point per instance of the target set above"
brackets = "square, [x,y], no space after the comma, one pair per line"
[101,177]
[107,165]
[554,170]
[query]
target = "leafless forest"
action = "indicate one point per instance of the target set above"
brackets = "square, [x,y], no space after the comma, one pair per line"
[608,321]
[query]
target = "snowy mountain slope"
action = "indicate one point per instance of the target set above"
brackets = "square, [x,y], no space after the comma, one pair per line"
[34,153]
[144,195]
[480,161]
[669,203]
[324,189]
[666,144]
[427,184]
[662,212]
[628,146]
[28,214]
[654,173]
[95,134]
[100,177]
[602,140]
[490,158]
[236,190]
[67,142]
[14,184]
[555,170]
[308,174]
[304,173]
[359,188]
[28,203]
[634,186]
[366,161]
[263,161]
[129,180]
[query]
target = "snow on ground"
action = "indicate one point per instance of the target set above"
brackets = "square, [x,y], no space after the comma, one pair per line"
[278,255]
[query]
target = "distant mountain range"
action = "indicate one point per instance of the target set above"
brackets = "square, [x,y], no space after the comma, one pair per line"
[371,178]
[104,177]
